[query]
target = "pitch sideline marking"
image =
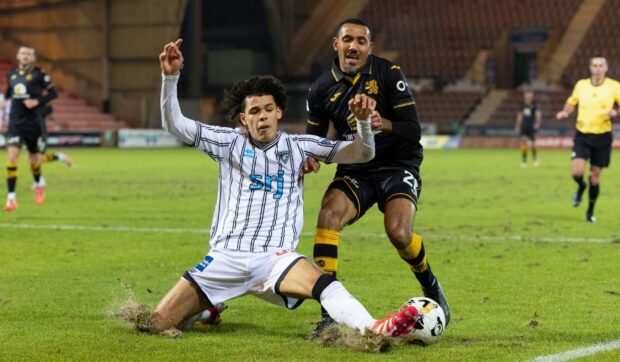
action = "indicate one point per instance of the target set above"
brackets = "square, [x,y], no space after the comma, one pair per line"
[104,228]
[559,239]
[579,352]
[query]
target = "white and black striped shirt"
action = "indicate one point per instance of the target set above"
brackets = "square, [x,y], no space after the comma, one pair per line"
[260,205]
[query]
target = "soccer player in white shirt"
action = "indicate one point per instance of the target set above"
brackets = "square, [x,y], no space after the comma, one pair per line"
[259,212]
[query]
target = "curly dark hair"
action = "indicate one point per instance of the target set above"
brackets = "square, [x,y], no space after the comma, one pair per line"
[257,85]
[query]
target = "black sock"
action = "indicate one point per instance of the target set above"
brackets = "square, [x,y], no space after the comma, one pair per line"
[593,193]
[580,182]
[11,176]
[534,156]
[426,277]
[36,172]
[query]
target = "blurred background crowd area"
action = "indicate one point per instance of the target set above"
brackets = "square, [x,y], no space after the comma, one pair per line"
[466,60]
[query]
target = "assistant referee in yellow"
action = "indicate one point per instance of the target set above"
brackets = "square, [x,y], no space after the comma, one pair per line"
[596,98]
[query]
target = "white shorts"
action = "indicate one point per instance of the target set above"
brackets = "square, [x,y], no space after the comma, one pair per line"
[227,274]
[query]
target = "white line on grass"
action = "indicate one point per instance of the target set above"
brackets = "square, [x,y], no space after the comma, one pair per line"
[580,352]
[544,239]
[103,228]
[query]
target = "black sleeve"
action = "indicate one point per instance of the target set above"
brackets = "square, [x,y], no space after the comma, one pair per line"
[9,91]
[46,84]
[318,121]
[405,123]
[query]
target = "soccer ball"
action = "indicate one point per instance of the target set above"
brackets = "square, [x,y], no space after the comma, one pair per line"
[431,323]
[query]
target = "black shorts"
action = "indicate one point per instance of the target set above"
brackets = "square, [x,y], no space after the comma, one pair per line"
[593,147]
[530,134]
[365,188]
[30,133]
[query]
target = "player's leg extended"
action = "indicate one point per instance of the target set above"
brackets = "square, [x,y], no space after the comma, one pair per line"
[336,211]
[578,166]
[11,176]
[398,220]
[595,175]
[306,280]
[181,303]
[55,156]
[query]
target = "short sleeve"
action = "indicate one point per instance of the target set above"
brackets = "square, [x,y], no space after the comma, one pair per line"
[574,97]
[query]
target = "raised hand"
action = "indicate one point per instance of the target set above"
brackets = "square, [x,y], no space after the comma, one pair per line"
[171,58]
[362,106]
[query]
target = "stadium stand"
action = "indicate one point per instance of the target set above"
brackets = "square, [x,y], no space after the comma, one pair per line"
[446,110]
[601,39]
[549,103]
[441,38]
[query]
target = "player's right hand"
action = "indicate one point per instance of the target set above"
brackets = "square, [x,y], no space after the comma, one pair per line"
[362,106]
[171,58]
[561,115]
[2,104]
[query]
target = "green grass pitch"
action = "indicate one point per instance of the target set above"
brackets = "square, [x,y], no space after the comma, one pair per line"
[524,273]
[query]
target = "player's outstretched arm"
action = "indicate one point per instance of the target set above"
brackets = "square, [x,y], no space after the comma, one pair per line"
[362,149]
[172,120]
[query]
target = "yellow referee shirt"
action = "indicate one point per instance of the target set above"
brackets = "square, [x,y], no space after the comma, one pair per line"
[594,103]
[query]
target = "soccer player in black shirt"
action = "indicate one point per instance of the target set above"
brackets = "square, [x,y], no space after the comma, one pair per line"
[392,178]
[528,123]
[29,89]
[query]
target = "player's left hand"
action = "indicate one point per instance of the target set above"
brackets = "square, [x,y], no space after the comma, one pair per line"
[31,103]
[613,113]
[380,124]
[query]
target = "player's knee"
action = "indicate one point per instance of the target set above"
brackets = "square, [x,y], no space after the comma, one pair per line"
[332,217]
[158,321]
[594,178]
[399,235]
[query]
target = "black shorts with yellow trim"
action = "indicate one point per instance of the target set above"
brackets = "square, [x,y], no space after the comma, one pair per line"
[365,188]
[27,132]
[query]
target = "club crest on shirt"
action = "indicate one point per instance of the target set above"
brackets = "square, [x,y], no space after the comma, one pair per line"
[372,87]
[284,156]
[248,152]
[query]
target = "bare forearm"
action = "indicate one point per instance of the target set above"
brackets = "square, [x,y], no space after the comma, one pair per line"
[568,108]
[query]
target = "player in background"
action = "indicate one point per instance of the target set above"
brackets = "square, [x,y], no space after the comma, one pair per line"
[529,119]
[259,211]
[392,178]
[595,97]
[29,89]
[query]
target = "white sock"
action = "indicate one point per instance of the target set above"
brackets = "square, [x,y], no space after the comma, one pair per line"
[61,156]
[344,308]
[11,196]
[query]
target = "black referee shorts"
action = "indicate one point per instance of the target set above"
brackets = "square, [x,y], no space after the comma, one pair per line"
[594,147]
